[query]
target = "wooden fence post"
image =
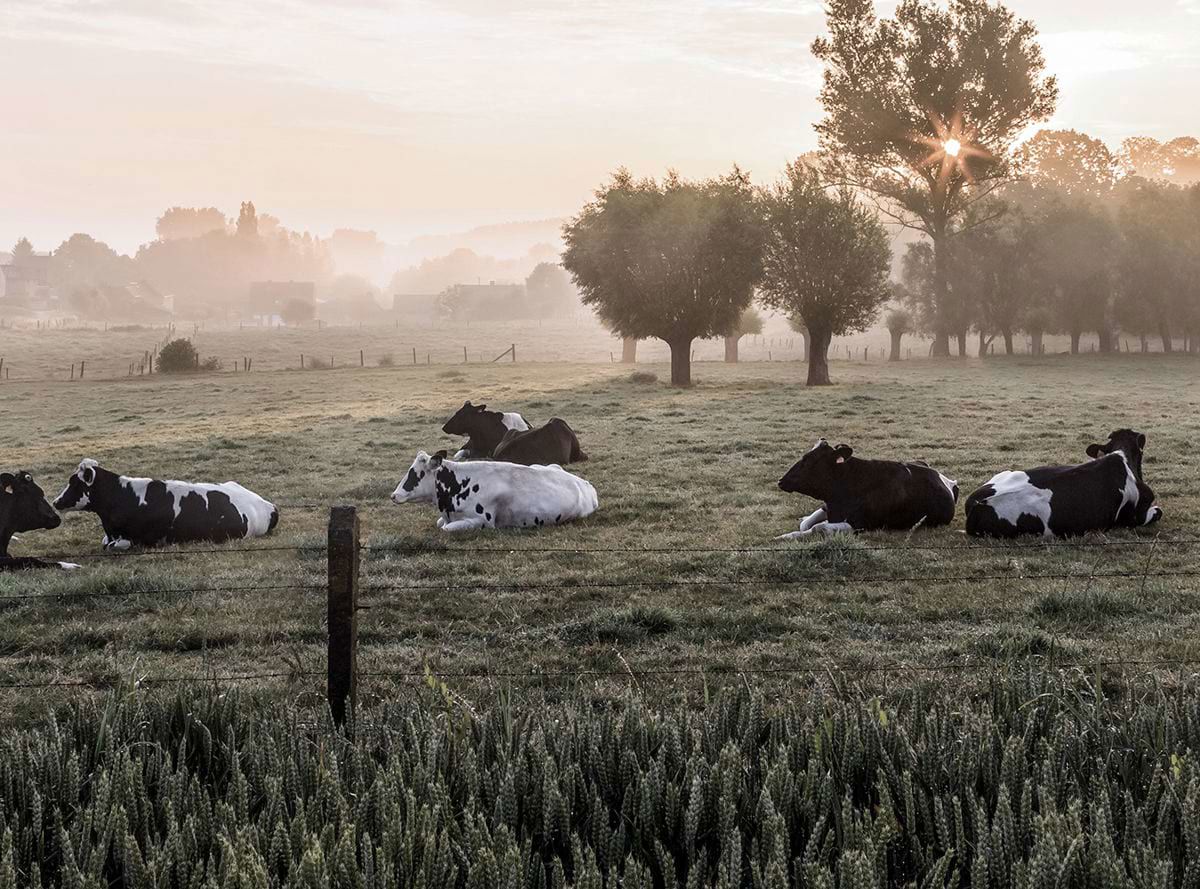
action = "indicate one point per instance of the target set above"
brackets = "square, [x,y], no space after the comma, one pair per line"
[514,347]
[343,611]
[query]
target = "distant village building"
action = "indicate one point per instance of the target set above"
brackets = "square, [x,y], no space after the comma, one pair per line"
[271,302]
[27,283]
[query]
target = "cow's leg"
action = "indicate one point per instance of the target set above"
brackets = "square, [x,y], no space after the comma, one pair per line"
[68,566]
[117,543]
[828,528]
[805,526]
[441,521]
[464,525]
[462,454]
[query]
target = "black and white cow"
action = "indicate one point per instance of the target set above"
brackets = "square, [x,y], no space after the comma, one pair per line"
[148,512]
[23,507]
[1061,501]
[868,495]
[484,429]
[555,442]
[485,494]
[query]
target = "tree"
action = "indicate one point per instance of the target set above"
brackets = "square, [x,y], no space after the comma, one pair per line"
[998,263]
[922,111]
[749,322]
[22,252]
[898,321]
[1153,267]
[1176,161]
[797,324]
[179,223]
[549,290]
[81,262]
[1068,162]
[675,260]
[178,356]
[826,262]
[1079,241]
[247,223]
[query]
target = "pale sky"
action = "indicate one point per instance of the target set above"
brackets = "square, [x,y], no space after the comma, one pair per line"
[417,116]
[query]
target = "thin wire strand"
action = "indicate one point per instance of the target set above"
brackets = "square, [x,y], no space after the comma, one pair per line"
[103,594]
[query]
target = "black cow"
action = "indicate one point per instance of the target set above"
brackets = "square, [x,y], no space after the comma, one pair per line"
[1061,501]
[149,512]
[868,495]
[484,429]
[554,443]
[23,507]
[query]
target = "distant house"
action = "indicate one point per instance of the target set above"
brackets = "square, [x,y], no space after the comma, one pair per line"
[27,283]
[268,299]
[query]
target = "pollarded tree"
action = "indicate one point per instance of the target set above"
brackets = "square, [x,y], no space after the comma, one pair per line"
[1079,243]
[1153,270]
[750,322]
[898,321]
[922,111]
[675,260]
[826,262]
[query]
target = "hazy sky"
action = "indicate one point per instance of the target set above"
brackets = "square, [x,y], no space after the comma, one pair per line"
[413,116]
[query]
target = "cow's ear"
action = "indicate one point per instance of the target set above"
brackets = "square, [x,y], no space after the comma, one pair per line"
[437,458]
[481,407]
[6,482]
[843,452]
[87,474]
[1141,441]
[1095,450]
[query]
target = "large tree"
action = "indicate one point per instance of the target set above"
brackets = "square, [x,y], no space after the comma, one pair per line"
[826,262]
[1068,162]
[922,111]
[675,260]
[1079,243]
[1156,264]
[179,223]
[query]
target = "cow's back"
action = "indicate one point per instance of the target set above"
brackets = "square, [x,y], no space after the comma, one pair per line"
[889,495]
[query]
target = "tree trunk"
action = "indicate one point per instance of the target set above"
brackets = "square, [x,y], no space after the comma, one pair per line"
[941,294]
[1164,333]
[1008,341]
[1106,339]
[628,350]
[1145,343]
[984,342]
[961,336]
[818,358]
[897,335]
[1075,342]
[681,362]
[1036,336]
[731,349]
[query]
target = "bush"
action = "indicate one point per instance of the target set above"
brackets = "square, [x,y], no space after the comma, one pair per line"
[388,360]
[177,356]
[643,376]
[1037,781]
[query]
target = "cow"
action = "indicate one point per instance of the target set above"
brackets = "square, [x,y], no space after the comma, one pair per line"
[149,512]
[23,507]
[553,443]
[486,494]
[868,495]
[1064,501]
[484,429]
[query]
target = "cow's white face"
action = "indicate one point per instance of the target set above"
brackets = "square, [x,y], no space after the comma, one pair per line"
[418,485]
[77,493]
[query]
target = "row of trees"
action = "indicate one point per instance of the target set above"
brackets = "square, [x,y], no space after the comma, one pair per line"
[924,116]
[1075,247]
[680,260]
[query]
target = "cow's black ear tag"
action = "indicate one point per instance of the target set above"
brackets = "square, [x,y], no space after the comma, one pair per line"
[841,459]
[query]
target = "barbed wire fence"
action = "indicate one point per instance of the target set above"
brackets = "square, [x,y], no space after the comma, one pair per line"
[344,550]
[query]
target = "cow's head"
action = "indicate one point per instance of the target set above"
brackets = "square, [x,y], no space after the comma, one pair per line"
[817,470]
[80,490]
[1126,441]
[464,419]
[25,506]
[418,486]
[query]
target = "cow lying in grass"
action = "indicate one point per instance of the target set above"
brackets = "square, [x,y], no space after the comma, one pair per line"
[555,442]
[23,507]
[1059,501]
[484,429]
[472,496]
[868,495]
[148,512]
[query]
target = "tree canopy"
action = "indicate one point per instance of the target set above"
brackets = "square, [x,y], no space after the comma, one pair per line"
[676,260]
[826,261]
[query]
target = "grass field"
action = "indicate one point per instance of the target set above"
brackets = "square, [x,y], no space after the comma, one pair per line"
[677,473]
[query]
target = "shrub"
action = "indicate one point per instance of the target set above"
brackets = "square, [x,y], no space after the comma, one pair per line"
[177,356]
[388,360]
[643,376]
[1037,782]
